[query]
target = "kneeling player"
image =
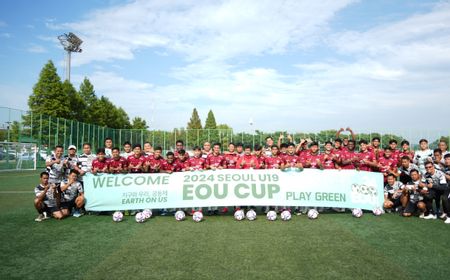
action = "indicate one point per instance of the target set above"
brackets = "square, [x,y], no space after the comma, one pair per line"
[72,195]
[393,193]
[412,192]
[45,199]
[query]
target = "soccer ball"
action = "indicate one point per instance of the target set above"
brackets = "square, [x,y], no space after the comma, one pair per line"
[357,213]
[180,216]
[147,213]
[197,217]
[117,216]
[377,211]
[239,215]
[286,215]
[271,215]
[140,217]
[313,214]
[251,215]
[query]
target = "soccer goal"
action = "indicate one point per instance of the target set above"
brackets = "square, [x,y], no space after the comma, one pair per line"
[18,156]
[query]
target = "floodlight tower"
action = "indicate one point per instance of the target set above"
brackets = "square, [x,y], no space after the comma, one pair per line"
[71,43]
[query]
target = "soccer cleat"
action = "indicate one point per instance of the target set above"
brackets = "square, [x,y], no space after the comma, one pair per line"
[447,221]
[46,217]
[443,216]
[422,215]
[40,218]
[76,214]
[430,217]
[127,213]
[164,212]
[224,210]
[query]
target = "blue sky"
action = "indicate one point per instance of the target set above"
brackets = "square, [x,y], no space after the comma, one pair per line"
[293,65]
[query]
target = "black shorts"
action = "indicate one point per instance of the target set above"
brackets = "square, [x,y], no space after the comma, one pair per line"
[68,204]
[396,201]
[411,207]
[51,210]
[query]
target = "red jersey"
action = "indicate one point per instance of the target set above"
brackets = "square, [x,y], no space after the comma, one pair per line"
[248,162]
[100,166]
[348,155]
[376,152]
[231,160]
[173,166]
[181,164]
[310,160]
[195,163]
[368,156]
[154,164]
[273,162]
[177,154]
[135,164]
[261,161]
[214,161]
[120,163]
[409,154]
[291,160]
[387,164]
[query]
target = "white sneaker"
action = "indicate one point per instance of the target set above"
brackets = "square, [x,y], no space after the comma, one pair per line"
[430,217]
[447,221]
[39,218]
[421,216]
[443,216]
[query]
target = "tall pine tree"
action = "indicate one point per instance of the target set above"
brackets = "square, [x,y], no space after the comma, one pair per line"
[194,122]
[210,121]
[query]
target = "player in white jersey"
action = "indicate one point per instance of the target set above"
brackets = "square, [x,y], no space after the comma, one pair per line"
[72,195]
[45,200]
[71,161]
[436,185]
[85,160]
[55,166]
[127,151]
[108,147]
[423,155]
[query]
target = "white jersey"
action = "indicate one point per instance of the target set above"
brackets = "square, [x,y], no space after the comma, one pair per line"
[421,157]
[72,191]
[86,162]
[56,170]
[126,155]
[108,153]
[392,190]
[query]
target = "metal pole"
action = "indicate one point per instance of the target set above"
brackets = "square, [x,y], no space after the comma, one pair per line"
[68,66]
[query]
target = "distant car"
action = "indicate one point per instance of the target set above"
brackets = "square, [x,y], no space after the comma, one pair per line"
[27,156]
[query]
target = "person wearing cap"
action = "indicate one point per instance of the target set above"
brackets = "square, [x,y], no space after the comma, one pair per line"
[71,161]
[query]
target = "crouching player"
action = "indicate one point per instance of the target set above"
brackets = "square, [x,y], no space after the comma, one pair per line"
[393,191]
[412,191]
[45,199]
[72,195]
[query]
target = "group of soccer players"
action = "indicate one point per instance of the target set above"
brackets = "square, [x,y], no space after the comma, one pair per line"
[416,182]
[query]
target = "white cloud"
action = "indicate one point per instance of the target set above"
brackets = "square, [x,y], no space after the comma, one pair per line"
[5,35]
[212,30]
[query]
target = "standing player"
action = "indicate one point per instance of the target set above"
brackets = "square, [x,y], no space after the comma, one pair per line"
[108,147]
[247,161]
[239,149]
[136,161]
[268,146]
[71,161]
[443,147]
[274,161]
[346,140]
[447,191]
[366,158]
[72,195]
[153,163]
[148,149]
[86,160]
[206,149]
[100,165]
[438,159]
[117,164]
[179,145]
[196,163]
[231,157]
[331,159]
[181,159]
[170,165]
[387,164]
[127,151]
[215,160]
[55,166]
[258,152]
[313,159]
[375,148]
[406,151]
[349,156]
[395,153]
[423,155]
[291,160]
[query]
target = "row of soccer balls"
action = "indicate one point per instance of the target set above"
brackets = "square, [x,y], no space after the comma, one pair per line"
[239,215]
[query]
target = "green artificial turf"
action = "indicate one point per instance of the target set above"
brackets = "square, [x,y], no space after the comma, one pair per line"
[335,246]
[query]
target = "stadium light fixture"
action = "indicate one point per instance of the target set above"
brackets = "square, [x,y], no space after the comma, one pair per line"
[71,43]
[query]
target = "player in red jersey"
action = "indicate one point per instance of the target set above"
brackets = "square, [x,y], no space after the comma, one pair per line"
[215,160]
[395,153]
[170,165]
[346,140]
[239,149]
[136,161]
[283,151]
[387,164]
[405,151]
[313,159]
[274,161]
[349,156]
[374,147]
[153,163]
[117,164]
[100,165]
[181,159]
[260,156]
[231,157]
[330,159]
[179,145]
[197,162]
[366,158]
[291,160]
[247,161]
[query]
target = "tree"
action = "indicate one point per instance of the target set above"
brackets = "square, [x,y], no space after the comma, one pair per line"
[194,122]
[76,103]
[87,93]
[47,97]
[138,123]
[210,121]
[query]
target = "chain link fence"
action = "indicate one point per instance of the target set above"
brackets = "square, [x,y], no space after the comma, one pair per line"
[46,132]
